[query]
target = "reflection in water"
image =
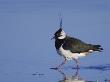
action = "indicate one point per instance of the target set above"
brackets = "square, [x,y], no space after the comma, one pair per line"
[38,74]
[105,67]
[75,77]
[106,80]
[72,78]
[99,67]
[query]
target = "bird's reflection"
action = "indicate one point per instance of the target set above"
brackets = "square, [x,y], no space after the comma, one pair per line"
[75,77]
[72,78]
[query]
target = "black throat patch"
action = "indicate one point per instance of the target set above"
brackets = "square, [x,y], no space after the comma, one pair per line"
[58,43]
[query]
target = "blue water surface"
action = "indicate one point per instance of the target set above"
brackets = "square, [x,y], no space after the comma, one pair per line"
[27,52]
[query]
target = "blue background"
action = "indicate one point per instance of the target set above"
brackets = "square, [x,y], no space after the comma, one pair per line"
[26,28]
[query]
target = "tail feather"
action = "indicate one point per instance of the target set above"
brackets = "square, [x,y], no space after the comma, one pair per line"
[97,48]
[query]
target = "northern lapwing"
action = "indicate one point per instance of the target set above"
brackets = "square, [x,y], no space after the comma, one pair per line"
[72,48]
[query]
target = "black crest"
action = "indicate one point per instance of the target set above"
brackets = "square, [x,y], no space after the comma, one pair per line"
[57,33]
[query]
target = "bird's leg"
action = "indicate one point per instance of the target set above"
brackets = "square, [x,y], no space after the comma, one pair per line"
[77,63]
[61,64]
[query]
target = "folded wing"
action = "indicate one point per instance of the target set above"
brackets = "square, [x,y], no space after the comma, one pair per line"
[78,46]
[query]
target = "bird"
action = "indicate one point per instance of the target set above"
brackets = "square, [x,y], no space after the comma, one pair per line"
[71,48]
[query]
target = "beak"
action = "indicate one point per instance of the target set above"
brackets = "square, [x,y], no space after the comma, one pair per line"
[53,38]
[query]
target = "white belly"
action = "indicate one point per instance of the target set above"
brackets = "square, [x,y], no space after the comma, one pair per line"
[69,55]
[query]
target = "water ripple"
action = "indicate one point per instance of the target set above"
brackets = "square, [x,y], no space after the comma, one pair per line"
[103,67]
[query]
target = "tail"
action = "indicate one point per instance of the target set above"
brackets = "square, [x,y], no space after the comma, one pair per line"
[97,48]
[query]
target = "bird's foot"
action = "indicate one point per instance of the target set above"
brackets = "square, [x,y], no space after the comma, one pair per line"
[55,68]
[76,68]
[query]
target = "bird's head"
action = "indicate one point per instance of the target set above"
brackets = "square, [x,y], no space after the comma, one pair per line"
[59,34]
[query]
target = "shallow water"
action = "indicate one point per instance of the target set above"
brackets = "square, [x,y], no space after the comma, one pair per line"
[84,74]
[27,52]
[26,73]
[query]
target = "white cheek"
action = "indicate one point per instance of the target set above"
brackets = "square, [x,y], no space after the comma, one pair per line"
[62,37]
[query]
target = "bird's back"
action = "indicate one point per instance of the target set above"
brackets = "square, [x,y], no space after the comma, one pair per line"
[77,46]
